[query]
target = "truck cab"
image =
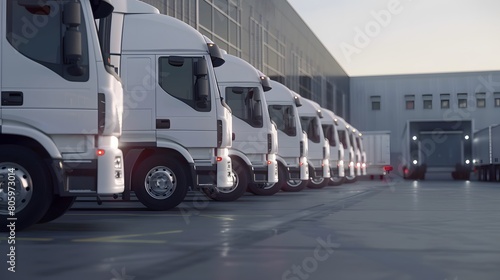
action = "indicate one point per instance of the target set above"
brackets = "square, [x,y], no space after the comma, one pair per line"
[293,169]
[176,129]
[61,109]
[318,155]
[349,156]
[356,148]
[329,123]
[255,138]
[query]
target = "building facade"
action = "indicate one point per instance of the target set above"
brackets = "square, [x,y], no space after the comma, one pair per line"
[392,102]
[271,36]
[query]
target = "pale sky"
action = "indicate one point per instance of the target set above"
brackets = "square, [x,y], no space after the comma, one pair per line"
[378,37]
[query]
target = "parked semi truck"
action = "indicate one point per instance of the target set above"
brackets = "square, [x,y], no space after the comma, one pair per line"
[357,160]
[486,150]
[255,138]
[358,139]
[378,153]
[61,115]
[319,149]
[293,169]
[176,127]
[344,130]
[329,123]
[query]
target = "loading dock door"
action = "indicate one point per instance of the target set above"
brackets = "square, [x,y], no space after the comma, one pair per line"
[441,149]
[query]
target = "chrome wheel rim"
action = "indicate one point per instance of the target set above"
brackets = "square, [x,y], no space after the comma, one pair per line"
[160,182]
[20,183]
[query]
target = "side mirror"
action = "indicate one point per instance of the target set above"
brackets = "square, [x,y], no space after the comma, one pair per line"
[257,96]
[101,9]
[201,68]
[202,92]
[215,55]
[266,85]
[297,101]
[72,41]
[257,114]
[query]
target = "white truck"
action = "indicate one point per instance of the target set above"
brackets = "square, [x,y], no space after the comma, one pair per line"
[329,123]
[378,153]
[358,141]
[61,110]
[319,149]
[176,128]
[255,140]
[293,169]
[357,151]
[344,131]
[486,153]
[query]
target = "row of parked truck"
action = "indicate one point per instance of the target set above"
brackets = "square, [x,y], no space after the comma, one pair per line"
[106,98]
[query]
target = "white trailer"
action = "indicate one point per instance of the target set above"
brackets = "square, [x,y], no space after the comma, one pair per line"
[319,149]
[378,153]
[60,113]
[176,128]
[330,124]
[486,153]
[293,169]
[255,141]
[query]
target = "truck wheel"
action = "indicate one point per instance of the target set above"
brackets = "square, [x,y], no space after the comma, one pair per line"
[24,170]
[290,185]
[318,183]
[160,182]
[239,188]
[267,188]
[350,179]
[336,181]
[59,206]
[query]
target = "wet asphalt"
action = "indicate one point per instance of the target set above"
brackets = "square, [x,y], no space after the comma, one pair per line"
[395,229]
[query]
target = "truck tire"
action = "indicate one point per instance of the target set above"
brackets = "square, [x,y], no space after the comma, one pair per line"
[160,182]
[241,182]
[32,184]
[266,188]
[290,185]
[59,206]
[336,181]
[350,180]
[318,183]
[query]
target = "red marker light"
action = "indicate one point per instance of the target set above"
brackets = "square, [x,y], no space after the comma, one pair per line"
[389,168]
[269,162]
[100,152]
[219,159]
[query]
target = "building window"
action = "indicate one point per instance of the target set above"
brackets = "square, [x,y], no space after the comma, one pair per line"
[462,100]
[445,100]
[480,99]
[496,95]
[410,102]
[375,102]
[427,101]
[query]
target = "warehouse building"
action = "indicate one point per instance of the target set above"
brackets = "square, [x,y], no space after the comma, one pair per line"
[442,110]
[272,37]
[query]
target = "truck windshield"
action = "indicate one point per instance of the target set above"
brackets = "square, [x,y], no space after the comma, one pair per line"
[284,117]
[329,131]
[311,127]
[245,104]
[343,138]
